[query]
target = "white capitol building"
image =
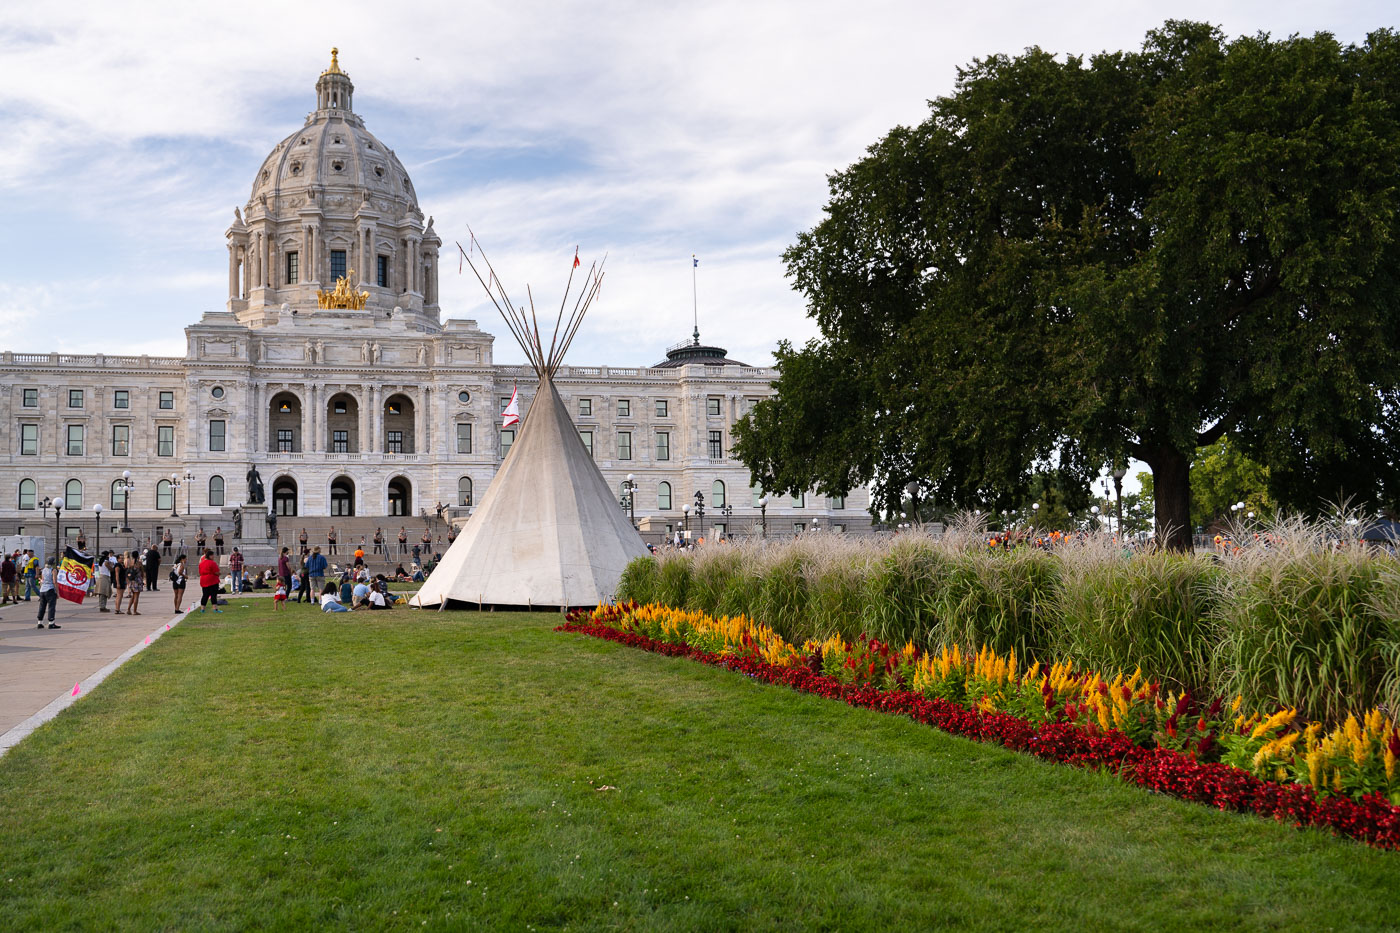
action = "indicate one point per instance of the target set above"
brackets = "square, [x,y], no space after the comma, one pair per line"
[332,372]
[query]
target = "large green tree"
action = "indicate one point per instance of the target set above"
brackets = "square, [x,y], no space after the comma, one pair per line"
[1073,262]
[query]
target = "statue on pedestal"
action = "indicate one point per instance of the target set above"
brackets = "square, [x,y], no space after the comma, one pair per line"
[255,487]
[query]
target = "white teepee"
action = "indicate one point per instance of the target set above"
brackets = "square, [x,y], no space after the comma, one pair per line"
[549,531]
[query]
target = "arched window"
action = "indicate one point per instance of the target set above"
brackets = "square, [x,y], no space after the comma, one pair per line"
[663,496]
[118,494]
[28,493]
[216,490]
[164,495]
[464,491]
[73,495]
[717,494]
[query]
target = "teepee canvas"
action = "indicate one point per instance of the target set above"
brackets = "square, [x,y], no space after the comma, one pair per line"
[548,532]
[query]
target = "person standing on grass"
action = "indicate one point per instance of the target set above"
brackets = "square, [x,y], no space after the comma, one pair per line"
[178,581]
[152,567]
[235,567]
[209,581]
[316,574]
[134,586]
[48,595]
[284,568]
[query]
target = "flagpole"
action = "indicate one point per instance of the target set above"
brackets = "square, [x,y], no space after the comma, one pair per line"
[694,302]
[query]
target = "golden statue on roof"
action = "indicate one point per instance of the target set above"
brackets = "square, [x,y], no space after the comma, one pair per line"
[343,297]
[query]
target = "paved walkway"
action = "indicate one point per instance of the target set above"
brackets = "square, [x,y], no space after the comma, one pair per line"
[38,668]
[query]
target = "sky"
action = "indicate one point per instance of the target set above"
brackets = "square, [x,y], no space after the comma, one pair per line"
[649,132]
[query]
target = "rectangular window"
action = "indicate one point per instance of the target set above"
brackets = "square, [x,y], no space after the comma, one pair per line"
[165,441]
[838,528]
[284,440]
[507,438]
[121,440]
[395,442]
[716,445]
[624,445]
[167,400]
[587,438]
[293,267]
[216,435]
[337,264]
[464,438]
[382,271]
[799,501]
[75,440]
[712,406]
[505,402]
[75,398]
[121,398]
[838,502]
[340,442]
[624,408]
[29,440]
[585,407]
[662,408]
[663,445]
[799,527]
[31,398]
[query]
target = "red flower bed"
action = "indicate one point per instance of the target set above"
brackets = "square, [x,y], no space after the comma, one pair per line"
[1372,819]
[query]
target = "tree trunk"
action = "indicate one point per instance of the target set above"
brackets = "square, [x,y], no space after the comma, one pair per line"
[1171,483]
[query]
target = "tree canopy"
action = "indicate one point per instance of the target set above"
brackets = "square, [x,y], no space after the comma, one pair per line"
[1074,262]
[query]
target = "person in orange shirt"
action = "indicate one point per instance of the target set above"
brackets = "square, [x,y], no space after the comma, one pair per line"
[359,556]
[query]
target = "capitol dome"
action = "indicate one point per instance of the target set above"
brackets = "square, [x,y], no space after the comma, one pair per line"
[332,225]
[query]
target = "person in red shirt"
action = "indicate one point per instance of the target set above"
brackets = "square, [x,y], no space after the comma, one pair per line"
[209,581]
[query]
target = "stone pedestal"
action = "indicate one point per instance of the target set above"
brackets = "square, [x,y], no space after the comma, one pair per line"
[259,550]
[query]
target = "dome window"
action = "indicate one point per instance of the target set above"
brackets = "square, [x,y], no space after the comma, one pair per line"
[338,166]
[296,168]
[379,170]
[337,140]
[265,174]
[303,141]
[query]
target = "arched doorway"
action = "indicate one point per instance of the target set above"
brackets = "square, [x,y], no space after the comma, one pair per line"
[398,425]
[284,424]
[343,424]
[284,496]
[400,496]
[342,496]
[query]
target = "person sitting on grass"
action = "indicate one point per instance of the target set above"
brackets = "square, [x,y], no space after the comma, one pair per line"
[376,599]
[329,601]
[346,588]
[360,596]
[400,574]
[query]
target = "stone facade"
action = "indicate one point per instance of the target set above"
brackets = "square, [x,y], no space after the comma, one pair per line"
[357,400]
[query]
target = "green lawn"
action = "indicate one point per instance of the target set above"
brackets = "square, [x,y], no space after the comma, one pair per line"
[444,770]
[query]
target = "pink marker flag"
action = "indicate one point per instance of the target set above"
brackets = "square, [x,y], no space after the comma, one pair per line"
[148,639]
[167,626]
[77,688]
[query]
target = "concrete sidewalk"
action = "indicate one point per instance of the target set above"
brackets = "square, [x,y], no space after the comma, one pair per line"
[37,666]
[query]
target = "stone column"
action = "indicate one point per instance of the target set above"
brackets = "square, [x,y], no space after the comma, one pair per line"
[266,241]
[232,271]
[362,399]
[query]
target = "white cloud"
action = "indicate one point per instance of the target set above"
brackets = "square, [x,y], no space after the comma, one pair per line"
[649,130]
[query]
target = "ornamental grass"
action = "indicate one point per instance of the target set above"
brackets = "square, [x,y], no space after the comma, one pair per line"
[1297,614]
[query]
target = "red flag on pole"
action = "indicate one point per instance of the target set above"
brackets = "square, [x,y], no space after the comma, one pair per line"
[575,257]
[511,415]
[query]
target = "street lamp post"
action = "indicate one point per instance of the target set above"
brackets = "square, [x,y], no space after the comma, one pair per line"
[726,510]
[631,487]
[189,490]
[44,504]
[913,489]
[1118,475]
[127,486]
[1094,511]
[685,513]
[57,511]
[700,512]
[175,485]
[763,516]
[98,509]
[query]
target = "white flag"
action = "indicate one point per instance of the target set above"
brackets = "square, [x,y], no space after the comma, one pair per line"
[512,413]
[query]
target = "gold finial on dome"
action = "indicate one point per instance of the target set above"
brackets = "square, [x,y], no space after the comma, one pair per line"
[334,69]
